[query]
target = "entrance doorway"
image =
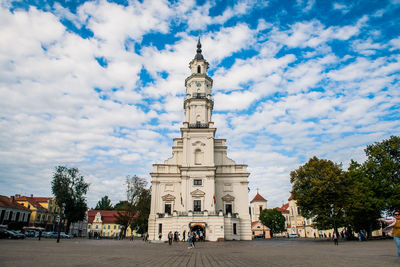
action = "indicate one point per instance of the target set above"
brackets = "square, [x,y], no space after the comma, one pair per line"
[200,231]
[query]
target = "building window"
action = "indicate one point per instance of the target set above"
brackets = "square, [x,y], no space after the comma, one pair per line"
[197,182]
[197,205]
[104,227]
[198,69]
[160,228]
[97,226]
[115,227]
[108,227]
[88,226]
[167,208]
[261,209]
[234,229]
[228,208]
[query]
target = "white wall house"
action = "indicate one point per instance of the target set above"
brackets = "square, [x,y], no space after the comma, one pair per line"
[199,188]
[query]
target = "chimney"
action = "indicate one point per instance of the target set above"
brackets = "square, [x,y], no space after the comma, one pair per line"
[17,195]
[31,195]
[12,199]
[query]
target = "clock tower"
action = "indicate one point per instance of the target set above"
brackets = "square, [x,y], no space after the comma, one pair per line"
[199,189]
[198,104]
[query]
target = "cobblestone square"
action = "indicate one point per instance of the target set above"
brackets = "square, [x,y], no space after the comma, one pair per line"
[84,252]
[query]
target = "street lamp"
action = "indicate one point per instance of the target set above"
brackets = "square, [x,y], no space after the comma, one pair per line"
[59,222]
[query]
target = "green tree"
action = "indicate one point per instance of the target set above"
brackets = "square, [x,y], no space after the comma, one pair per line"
[121,205]
[136,200]
[104,204]
[382,168]
[362,206]
[140,222]
[320,187]
[273,219]
[69,189]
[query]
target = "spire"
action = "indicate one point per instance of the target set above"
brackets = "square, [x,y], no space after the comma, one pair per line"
[199,56]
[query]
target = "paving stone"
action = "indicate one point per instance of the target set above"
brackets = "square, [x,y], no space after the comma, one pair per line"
[279,252]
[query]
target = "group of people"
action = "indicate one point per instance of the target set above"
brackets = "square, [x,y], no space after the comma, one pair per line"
[192,237]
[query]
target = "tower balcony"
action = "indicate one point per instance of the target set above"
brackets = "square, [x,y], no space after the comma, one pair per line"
[199,125]
[199,95]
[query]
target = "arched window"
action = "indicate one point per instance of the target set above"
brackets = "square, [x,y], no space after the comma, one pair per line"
[198,69]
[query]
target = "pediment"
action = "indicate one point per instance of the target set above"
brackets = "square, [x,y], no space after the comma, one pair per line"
[228,198]
[197,193]
[198,143]
[168,197]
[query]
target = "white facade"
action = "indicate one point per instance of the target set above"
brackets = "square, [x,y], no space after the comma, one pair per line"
[199,186]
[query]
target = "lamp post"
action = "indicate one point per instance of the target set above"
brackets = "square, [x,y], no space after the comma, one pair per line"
[59,222]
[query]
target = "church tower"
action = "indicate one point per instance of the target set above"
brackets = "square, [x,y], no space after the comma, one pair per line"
[199,188]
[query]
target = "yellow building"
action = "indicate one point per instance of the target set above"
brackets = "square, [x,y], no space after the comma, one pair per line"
[44,211]
[102,223]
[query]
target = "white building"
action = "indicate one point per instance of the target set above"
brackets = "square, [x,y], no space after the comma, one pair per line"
[199,188]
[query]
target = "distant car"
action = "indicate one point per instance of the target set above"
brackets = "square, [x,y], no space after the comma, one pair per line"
[64,235]
[15,235]
[30,233]
[293,236]
[4,234]
[49,234]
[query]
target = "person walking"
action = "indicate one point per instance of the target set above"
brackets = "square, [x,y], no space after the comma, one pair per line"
[170,238]
[40,234]
[335,238]
[190,240]
[183,235]
[393,229]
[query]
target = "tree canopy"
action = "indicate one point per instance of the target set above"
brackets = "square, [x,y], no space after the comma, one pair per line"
[382,168]
[104,204]
[69,189]
[273,219]
[354,198]
[135,210]
[319,187]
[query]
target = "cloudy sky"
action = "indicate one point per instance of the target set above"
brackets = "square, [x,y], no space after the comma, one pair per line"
[99,85]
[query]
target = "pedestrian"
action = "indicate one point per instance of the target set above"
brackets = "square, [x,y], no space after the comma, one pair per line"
[170,238]
[40,234]
[190,240]
[184,235]
[315,236]
[147,237]
[201,236]
[393,229]
[159,236]
[335,238]
[359,236]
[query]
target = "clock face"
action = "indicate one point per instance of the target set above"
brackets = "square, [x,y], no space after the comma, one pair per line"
[198,84]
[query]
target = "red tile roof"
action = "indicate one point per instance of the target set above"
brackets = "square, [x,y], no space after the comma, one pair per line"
[107,216]
[284,208]
[253,223]
[31,201]
[8,203]
[42,199]
[290,198]
[258,197]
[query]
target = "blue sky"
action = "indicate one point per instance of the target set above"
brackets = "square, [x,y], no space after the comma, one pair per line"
[99,85]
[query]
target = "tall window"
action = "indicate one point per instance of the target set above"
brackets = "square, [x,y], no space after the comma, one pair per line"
[198,69]
[167,208]
[160,228]
[197,205]
[260,209]
[228,208]
[234,229]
